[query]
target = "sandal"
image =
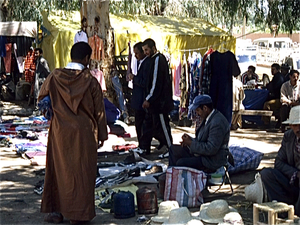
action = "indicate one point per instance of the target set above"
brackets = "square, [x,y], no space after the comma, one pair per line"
[54,218]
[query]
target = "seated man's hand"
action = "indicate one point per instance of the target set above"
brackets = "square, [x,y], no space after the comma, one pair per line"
[186,140]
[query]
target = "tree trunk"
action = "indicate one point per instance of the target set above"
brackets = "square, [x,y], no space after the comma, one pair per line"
[97,10]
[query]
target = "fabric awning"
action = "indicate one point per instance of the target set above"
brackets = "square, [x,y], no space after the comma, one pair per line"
[27,29]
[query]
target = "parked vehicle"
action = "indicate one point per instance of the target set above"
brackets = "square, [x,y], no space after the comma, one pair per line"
[245,54]
[274,50]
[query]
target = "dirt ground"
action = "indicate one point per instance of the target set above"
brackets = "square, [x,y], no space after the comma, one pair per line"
[20,205]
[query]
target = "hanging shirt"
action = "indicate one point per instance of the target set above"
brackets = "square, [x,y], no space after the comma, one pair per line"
[177,77]
[2,46]
[134,65]
[223,67]
[129,68]
[184,87]
[96,44]
[98,74]
[19,59]
[29,67]
[7,59]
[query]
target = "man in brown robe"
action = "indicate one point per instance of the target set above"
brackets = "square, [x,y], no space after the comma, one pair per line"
[78,128]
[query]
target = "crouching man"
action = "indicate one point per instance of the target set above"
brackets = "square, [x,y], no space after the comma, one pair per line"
[282,182]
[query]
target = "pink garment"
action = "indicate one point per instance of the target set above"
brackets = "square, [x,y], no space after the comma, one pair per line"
[177,76]
[98,74]
[173,76]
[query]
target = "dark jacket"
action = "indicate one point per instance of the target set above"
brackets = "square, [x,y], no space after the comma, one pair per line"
[159,87]
[139,84]
[274,86]
[41,73]
[284,160]
[211,141]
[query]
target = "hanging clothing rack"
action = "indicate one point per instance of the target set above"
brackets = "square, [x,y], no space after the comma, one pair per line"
[201,48]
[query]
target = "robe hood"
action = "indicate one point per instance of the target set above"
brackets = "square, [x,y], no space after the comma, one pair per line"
[72,85]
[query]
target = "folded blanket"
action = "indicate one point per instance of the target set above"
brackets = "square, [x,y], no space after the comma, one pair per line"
[45,107]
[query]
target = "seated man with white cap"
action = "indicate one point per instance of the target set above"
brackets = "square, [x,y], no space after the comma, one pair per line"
[282,183]
[208,151]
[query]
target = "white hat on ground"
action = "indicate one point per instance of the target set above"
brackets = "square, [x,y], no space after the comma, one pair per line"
[294,117]
[164,210]
[194,222]
[181,216]
[215,211]
[232,218]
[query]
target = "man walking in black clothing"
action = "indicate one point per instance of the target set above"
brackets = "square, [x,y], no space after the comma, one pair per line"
[159,100]
[144,136]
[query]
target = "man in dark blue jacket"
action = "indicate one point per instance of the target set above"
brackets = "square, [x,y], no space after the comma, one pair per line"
[158,100]
[138,96]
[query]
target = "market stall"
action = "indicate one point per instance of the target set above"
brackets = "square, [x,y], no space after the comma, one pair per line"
[16,39]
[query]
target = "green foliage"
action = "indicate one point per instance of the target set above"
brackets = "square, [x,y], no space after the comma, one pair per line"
[262,13]
[140,7]
[30,10]
[283,13]
[224,12]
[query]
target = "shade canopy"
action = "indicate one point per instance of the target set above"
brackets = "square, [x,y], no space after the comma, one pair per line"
[26,29]
[173,34]
[176,35]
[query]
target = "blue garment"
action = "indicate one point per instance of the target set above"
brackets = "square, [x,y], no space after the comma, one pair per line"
[194,78]
[223,67]
[45,105]
[118,88]
[2,46]
[111,111]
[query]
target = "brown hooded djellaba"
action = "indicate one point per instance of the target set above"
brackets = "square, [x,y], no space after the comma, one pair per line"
[78,123]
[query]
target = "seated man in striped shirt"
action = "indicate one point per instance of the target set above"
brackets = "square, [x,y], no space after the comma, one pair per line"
[249,75]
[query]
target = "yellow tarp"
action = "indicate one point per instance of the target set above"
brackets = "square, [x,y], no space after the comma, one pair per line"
[178,34]
[57,46]
[175,34]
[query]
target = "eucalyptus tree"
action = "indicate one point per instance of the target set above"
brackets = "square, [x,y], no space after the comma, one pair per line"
[30,10]
[262,13]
